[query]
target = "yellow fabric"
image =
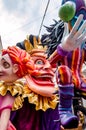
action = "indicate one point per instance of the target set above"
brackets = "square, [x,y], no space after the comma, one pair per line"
[16,89]
[40,102]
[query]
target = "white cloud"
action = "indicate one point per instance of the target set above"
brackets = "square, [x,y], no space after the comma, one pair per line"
[21,17]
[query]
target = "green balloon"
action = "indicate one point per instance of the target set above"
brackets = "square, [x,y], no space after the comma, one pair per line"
[67,11]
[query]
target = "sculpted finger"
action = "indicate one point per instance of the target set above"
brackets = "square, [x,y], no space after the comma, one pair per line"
[81,30]
[76,26]
[81,37]
[84,40]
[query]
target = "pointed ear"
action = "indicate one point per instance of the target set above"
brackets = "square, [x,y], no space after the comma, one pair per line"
[15,68]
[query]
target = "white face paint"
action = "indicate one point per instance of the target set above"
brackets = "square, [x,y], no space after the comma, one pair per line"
[6,69]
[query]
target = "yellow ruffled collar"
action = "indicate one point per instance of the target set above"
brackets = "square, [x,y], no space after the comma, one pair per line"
[15,89]
[41,102]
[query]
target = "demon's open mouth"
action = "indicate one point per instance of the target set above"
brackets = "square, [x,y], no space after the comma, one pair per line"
[43,80]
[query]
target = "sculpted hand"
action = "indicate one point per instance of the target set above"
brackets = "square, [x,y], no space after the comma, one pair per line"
[76,37]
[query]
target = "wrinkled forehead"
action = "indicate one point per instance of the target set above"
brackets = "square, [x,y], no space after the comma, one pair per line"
[6,57]
[38,53]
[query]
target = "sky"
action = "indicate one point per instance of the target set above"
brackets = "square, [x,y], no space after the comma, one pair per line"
[19,18]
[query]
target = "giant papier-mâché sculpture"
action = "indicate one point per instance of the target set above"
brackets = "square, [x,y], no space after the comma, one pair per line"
[68,54]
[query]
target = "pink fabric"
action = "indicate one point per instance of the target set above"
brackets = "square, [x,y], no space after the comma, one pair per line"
[11,126]
[6,102]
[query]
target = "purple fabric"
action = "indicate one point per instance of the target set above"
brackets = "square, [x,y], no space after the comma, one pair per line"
[50,120]
[61,52]
[66,94]
[27,118]
[68,119]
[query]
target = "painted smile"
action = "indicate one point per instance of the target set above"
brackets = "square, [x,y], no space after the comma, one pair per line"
[45,79]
